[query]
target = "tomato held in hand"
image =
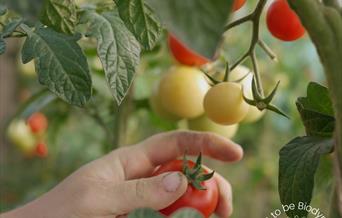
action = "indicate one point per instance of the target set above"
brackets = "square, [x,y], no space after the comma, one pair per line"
[185,55]
[37,122]
[202,196]
[283,22]
[224,103]
[238,4]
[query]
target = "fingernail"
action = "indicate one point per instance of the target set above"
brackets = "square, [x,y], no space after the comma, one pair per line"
[172,181]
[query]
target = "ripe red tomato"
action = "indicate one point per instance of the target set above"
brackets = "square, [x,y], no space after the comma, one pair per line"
[42,149]
[183,54]
[37,122]
[205,201]
[283,22]
[238,4]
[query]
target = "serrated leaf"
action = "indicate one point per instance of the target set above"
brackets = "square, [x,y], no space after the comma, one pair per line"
[144,213]
[117,48]
[60,64]
[187,213]
[316,111]
[298,163]
[2,46]
[141,21]
[197,23]
[10,27]
[61,15]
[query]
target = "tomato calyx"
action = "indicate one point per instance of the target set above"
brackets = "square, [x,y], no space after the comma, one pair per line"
[263,103]
[196,174]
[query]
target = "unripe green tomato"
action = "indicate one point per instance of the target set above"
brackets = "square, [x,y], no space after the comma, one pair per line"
[204,124]
[182,91]
[20,135]
[224,103]
[156,106]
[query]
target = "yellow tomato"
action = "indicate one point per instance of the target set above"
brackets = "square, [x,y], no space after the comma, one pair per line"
[182,91]
[20,135]
[27,69]
[204,124]
[224,103]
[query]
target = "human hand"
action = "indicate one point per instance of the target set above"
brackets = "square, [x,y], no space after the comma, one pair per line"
[119,182]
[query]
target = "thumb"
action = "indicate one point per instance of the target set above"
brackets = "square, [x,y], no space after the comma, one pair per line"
[155,192]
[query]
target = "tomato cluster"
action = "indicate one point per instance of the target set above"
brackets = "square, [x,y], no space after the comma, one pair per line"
[29,136]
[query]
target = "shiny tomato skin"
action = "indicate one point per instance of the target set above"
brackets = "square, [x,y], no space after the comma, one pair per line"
[283,22]
[183,54]
[238,4]
[205,201]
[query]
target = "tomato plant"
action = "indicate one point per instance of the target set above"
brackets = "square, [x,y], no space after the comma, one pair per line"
[202,191]
[182,90]
[183,54]
[283,22]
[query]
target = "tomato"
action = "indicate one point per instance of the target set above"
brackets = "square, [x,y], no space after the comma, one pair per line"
[283,22]
[157,107]
[185,55]
[27,69]
[204,124]
[205,201]
[238,4]
[182,90]
[41,150]
[224,103]
[21,136]
[37,122]
[239,72]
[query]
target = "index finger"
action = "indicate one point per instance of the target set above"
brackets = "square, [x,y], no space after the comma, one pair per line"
[142,158]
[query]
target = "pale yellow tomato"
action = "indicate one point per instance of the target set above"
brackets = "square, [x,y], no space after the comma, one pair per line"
[182,90]
[204,124]
[224,103]
[27,69]
[157,107]
[20,135]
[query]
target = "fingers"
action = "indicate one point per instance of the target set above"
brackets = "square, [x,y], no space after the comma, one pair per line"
[155,192]
[225,206]
[141,159]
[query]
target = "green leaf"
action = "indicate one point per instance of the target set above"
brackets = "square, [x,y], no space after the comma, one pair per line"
[117,48]
[60,64]
[197,23]
[2,46]
[144,213]
[61,15]
[187,213]
[35,103]
[298,163]
[141,21]
[10,27]
[316,111]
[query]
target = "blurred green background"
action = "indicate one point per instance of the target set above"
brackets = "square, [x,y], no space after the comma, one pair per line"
[76,136]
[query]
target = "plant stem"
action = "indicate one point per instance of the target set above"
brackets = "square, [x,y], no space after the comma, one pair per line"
[324,25]
[254,17]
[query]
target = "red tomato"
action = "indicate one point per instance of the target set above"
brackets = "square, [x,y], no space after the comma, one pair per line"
[205,201]
[283,22]
[185,55]
[42,150]
[238,4]
[37,122]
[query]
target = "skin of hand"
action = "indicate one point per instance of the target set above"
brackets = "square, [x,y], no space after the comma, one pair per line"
[119,182]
